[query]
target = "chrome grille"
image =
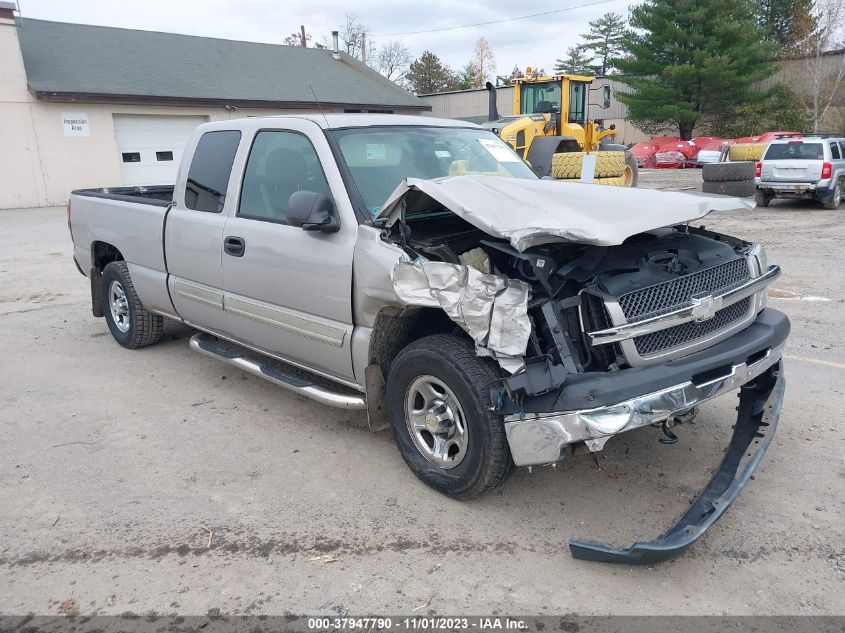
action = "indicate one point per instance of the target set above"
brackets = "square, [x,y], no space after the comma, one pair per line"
[687,332]
[670,295]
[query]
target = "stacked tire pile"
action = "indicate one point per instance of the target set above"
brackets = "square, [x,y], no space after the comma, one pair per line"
[729,179]
[612,168]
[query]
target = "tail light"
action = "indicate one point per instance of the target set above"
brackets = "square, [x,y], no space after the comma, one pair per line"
[827,170]
[758,170]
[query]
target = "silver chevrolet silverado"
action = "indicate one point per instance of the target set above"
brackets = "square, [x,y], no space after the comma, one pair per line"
[418,270]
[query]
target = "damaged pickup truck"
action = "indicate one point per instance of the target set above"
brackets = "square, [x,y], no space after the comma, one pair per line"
[417,269]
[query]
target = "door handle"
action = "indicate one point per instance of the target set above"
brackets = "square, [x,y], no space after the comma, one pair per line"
[234,246]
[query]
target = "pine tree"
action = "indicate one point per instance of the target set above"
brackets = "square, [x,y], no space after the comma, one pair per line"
[786,22]
[606,40]
[689,59]
[576,62]
[428,74]
[469,77]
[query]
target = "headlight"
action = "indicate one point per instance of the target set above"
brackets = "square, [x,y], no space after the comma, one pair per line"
[759,254]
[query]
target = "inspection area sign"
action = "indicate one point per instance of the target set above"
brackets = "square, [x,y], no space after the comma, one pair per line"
[76,124]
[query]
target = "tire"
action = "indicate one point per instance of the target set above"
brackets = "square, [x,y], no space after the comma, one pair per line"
[836,200]
[632,170]
[567,165]
[129,323]
[472,455]
[727,172]
[762,198]
[746,151]
[737,188]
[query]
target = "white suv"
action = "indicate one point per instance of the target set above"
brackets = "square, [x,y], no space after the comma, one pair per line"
[812,167]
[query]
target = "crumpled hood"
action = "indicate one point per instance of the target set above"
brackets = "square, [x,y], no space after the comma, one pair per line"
[532,212]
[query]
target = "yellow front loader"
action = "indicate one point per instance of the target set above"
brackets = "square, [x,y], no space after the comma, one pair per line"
[551,130]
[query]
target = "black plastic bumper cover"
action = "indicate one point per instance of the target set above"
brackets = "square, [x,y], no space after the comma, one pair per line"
[759,408]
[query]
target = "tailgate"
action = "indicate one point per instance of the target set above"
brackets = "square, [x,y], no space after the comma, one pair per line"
[792,170]
[793,161]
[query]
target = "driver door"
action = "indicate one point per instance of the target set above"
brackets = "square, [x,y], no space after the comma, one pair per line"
[288,291]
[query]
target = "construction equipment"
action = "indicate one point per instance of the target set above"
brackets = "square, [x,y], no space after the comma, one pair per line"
[551,130]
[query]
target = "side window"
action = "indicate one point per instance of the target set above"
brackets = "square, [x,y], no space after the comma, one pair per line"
[842,148]
[834,151]
[279,164]
[210,169]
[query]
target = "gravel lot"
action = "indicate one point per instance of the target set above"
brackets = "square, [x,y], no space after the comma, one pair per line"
[162,481]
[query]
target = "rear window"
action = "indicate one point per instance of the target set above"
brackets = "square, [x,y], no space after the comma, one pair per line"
[211,166]
[791,151]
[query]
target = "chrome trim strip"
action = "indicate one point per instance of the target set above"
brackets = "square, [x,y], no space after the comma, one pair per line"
[696,312]
[319,394]
[285,321]
[201,294]
[540,438]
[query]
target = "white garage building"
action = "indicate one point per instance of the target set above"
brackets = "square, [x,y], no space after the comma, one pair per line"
[88,106]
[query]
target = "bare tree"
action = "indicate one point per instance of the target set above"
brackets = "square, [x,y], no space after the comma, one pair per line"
[392,60]
[824,73]
[353,34]
[301,39]
[484,61]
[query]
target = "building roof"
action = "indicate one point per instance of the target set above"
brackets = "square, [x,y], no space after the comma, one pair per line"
[80,62]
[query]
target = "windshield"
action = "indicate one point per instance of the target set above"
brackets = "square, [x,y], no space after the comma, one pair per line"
[380,158]
[794,149]
[540,98]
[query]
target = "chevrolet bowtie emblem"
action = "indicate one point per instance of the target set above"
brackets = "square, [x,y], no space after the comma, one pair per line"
[705,308]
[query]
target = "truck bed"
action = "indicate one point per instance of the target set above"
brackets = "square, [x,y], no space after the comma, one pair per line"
[130,220]
[158,195]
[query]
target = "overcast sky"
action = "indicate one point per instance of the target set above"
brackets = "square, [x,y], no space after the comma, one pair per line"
[530,42]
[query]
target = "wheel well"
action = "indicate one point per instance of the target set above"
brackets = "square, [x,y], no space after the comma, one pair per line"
[393,331]
[103,254]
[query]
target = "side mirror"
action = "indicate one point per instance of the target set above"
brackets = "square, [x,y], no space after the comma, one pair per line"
[606,96]
[312,211]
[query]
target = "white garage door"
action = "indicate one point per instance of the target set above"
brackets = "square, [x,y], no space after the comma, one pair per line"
[149,148]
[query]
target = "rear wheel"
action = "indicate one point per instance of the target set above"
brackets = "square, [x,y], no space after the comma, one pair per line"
[836,200]
[762,198]
[438,399]
[129,323]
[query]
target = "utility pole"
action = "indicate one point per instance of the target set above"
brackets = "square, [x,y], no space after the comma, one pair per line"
[302,35]
[364,47]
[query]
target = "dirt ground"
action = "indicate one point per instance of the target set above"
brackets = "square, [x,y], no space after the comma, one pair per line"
[162,481]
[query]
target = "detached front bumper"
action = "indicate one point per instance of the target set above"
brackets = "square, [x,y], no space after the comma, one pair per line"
[750,361]
[634,398]
[758,412]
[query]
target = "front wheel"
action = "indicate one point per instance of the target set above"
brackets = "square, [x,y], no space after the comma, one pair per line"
[129,323]
[438,399]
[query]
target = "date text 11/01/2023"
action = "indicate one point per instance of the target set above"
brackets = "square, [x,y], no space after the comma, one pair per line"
[417,623]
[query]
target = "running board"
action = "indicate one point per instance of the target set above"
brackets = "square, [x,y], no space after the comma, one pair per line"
[205,344]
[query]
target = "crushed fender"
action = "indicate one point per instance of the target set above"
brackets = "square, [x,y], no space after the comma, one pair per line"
[491,308]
